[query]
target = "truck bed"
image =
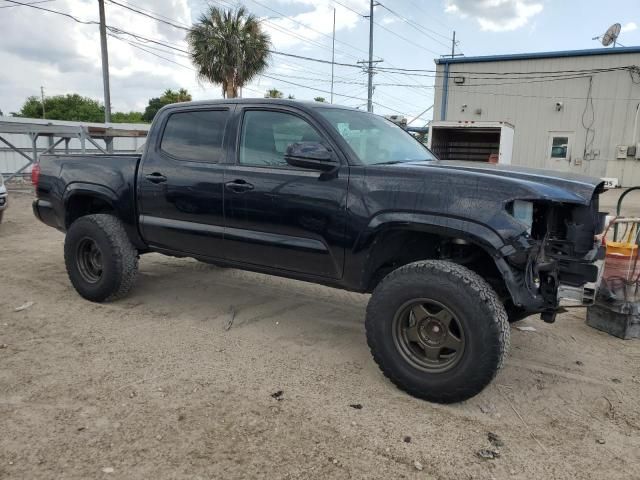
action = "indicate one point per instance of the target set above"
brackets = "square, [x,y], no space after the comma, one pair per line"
[114,175]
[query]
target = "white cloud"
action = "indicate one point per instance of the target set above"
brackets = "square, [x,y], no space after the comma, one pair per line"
[629,27]
[496,15]
[312,26]
[42,48]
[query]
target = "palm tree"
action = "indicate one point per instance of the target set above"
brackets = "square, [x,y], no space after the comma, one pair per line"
[273,93]
[228,48]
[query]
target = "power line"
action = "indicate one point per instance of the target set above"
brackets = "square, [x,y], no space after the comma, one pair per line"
[289,17]
[170,19]
[30,3]
[148,15]
[429,15]
[327,91]
[416,26]
[507,73]
[135,45]
[542,96]
[89,22]
[411,42]
[227,4]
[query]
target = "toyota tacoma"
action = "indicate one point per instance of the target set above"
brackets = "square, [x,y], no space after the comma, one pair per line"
[451,252]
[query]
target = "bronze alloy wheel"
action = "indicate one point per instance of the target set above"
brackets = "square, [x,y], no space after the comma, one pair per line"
[428,336]
[89,260]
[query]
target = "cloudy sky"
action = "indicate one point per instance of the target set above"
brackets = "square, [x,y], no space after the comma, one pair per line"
[39,48]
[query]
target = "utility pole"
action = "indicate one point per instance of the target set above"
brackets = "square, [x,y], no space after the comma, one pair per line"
[42,97]
[105,63]
[370,69]
[453,45]
[333,51]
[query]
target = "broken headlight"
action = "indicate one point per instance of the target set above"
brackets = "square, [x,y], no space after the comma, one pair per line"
[522,211]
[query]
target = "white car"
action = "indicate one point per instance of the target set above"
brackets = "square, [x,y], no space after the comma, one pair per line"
[4,197]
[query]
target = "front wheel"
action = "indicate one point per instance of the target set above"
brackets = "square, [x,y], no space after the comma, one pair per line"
[101,261]
[437,330]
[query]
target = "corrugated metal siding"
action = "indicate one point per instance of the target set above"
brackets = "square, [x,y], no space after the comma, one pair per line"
[529,104]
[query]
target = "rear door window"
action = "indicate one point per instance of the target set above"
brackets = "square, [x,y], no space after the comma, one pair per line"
[195,136]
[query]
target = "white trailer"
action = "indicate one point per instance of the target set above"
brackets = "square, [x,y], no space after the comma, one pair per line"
[474,141]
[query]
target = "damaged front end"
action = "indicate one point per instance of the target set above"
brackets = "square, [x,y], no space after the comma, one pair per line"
[558,260]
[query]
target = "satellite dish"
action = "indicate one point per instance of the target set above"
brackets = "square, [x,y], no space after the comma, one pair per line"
[611,35]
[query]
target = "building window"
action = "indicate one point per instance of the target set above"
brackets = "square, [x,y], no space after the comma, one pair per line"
[560,146]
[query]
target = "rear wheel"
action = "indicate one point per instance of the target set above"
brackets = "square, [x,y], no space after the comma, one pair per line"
[101,261]
[437,330]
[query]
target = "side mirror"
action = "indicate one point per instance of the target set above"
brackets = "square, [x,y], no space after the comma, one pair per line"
[311,155]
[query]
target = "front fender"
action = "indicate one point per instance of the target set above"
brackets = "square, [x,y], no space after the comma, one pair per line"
[363,261]
[440,224]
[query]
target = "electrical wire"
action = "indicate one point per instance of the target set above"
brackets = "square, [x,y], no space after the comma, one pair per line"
[410,42]
[85,22]
[30,3]
[590,133]
[429,14]
[174,25]
[289,17]
[415,26]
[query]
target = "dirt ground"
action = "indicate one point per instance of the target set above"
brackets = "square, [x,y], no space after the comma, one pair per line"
[154,386]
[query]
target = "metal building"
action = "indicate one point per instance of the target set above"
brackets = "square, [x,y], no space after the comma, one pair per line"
[572,111]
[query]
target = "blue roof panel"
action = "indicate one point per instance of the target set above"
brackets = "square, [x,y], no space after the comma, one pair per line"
[539,55]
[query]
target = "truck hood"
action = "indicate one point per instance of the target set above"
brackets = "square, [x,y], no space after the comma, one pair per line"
[555,186]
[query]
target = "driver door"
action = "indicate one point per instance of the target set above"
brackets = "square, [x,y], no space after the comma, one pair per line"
[279,216]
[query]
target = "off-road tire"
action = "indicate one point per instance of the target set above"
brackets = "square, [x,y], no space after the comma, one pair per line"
[119,257]
[477,309]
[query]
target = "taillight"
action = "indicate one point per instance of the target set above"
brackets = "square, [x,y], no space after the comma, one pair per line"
[35,174]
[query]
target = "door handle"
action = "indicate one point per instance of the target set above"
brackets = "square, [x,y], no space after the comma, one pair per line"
[238,186]
[156,177]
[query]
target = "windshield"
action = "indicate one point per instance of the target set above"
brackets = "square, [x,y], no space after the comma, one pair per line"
[374,139]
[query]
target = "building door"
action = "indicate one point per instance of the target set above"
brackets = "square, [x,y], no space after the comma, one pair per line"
[560,151]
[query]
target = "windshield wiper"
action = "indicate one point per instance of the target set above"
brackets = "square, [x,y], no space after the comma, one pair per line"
[390,162]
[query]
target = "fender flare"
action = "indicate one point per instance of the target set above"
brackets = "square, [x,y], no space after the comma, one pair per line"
[89,189]
[474,232]
[478,234]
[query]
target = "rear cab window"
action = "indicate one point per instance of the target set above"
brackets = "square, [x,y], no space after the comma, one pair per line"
[195,136]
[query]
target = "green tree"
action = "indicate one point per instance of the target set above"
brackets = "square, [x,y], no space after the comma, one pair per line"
[63,107]
[273,93]
[169,96]
[320,99]
[228,48]
[127,117]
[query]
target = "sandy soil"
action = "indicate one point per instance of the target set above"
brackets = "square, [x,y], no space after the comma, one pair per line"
[153,386]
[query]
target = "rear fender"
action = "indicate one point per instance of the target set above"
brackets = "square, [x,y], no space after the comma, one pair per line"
[123,210]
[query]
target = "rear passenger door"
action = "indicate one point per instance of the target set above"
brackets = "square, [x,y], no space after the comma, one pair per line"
[180,182]
[279,216]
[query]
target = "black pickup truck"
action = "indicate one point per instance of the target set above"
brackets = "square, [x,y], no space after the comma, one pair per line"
[450,251]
